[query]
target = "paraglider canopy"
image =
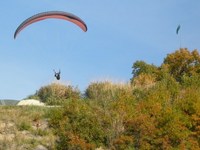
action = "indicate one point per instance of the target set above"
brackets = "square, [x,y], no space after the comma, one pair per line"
[178,28]
[51,14]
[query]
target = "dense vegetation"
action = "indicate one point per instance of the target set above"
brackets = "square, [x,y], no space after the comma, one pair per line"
[158,109]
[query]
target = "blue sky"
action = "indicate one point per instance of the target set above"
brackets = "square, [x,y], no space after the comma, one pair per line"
[119,33]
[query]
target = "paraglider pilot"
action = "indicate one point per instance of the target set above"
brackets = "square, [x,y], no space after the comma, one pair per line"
[57,74]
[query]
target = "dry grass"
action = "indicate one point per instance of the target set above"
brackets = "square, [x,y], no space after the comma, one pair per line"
[25,128]
[106,90]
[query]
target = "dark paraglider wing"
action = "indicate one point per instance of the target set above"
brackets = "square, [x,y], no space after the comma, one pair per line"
[51,14]
[178,28]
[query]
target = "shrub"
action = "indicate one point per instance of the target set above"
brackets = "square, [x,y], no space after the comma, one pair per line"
[56,94]
[105,91]
[77,125]
[24,125]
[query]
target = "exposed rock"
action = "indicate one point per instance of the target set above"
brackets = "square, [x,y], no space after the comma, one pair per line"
[40,147]
[30,102]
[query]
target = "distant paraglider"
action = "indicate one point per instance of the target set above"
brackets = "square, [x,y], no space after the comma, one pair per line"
[57,74]
[177,32]
[51,14]
[178,28]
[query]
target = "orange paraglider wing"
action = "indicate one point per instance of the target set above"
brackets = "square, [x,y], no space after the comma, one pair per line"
[51,14]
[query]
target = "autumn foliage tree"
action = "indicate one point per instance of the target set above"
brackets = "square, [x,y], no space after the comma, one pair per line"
[183,62]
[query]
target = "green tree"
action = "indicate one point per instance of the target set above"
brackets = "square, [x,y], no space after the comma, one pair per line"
[143,74]
[142,67]
[182,62]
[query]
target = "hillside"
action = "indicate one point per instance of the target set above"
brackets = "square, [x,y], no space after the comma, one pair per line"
[25,128]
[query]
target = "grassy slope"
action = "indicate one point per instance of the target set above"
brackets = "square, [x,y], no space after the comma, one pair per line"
[25,128]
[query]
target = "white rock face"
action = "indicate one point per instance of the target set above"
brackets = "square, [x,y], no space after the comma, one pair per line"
[30,102]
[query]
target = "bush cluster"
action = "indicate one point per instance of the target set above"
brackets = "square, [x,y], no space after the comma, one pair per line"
[164,116]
